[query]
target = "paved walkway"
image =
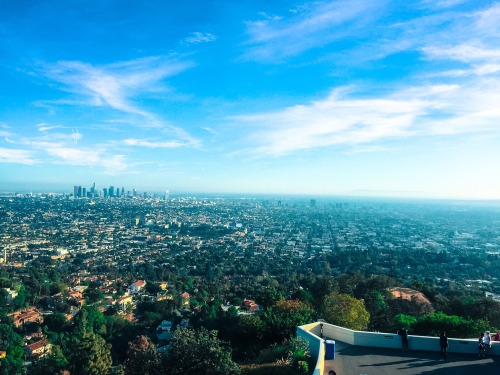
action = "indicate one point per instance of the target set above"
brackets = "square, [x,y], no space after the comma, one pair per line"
[356,360]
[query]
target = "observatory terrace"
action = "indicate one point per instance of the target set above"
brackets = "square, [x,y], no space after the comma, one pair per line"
[372,353]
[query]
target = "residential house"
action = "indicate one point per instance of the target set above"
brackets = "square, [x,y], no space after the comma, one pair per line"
[250,305]
[185,299]
[123,302]
[136,287]
[38,349]
[26,316]
[11,294]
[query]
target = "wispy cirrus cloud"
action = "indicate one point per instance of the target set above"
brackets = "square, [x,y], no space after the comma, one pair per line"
[345,119]
[275,37]
[16,156]
[152,143]
[123,87]
[112,164]
[199,37]
[360,119]
[5,130]
[441,3]
[5,133]
[115,85]
[43,127]
[471,41]
[61,149]
[466,53]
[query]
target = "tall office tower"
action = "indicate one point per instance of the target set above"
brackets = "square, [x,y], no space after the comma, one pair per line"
[167,195]
[134,192]
[75,191]
[123,191]
[111,191]
[92,190]
[105,191]
[313,202]
[84,192]
[79,191]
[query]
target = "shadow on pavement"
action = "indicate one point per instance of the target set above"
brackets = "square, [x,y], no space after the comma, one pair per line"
[377,361]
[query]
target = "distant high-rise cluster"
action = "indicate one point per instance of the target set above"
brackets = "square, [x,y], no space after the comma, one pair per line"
[113,192]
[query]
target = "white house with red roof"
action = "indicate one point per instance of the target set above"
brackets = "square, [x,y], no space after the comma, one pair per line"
[38,349]
[136,287]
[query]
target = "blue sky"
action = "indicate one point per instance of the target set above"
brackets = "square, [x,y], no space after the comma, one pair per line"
[384,98]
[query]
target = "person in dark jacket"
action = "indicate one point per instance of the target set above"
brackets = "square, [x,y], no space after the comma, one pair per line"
[443,343]
[404,338]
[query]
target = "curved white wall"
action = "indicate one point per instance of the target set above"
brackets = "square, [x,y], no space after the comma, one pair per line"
[311,333]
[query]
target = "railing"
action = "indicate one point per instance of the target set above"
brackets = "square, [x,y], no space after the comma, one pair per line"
[312,332]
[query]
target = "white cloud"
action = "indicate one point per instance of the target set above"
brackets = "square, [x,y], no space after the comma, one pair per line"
[345,119]
[8,155]
[487,69]
[487,21]
[273,38]
[119,86]
[441,3]
[152,144]
[4,130]
[198,37]
[62,148]
[112,164]
[46,127]
[5,133]
[115,85]
[463,52]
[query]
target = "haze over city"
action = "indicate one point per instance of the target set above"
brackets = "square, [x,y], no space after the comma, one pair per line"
[382,98]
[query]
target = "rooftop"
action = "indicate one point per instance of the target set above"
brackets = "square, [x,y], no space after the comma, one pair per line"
[352,359]
[378,353]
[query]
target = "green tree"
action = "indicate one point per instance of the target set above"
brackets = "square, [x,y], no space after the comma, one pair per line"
[20,300]
[12,343]
[345,311]
[405,321]
[199,352]
[89,355]
[54,363]
[246,333]
[454,326]
[142,358]
[92,320]
[380,315]
[56,322]
[4,306]
[284,317]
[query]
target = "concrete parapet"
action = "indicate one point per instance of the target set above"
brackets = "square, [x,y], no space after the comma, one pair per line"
[312,334]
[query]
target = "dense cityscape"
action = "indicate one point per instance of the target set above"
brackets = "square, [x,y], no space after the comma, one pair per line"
[249,187]
[147,265]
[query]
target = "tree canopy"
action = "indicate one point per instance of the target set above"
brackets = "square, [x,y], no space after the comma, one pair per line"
[142,358]
[199,352]
[345,311]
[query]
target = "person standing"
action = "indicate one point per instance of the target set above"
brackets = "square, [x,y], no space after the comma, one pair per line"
[486,342]
[443,343]
[481,346]
[404,338]
[497,336]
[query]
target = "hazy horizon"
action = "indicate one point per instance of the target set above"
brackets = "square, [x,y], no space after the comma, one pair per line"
[347,98]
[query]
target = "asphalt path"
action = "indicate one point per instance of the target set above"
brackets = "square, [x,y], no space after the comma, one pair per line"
[357,360]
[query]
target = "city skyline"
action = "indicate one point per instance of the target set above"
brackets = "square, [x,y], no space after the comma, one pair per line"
[369,98]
